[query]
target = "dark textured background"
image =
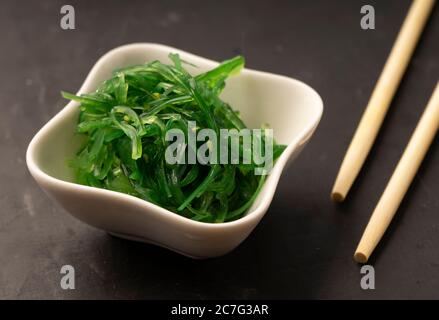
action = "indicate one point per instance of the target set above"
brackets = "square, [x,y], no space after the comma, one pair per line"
[303,247]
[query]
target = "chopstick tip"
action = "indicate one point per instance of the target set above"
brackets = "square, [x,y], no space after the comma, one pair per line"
[337,196]
[360,257]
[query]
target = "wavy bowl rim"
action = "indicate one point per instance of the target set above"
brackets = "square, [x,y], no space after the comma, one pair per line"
[273,179]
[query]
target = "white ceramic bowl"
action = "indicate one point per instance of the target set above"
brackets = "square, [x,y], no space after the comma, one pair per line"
[292,109]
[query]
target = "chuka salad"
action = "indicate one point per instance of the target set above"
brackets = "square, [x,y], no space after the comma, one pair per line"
[125,122]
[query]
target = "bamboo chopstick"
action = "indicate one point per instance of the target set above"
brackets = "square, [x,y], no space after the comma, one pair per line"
[400,181]
[381,97]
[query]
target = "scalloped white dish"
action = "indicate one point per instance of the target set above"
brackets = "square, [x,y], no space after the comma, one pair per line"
[292,109]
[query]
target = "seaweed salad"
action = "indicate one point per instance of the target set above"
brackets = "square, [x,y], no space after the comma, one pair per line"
[125,124]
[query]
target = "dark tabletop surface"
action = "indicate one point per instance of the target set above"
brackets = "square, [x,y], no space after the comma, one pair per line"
[303,247]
